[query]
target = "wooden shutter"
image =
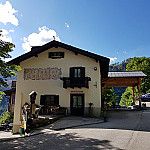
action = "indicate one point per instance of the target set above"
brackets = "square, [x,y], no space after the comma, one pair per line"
[71,72]
[42,100]
[82,72]
[56,101]
[62,54]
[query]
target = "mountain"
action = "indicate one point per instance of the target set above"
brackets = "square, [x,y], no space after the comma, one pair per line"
[9,82]
[4,105]
[120,66]
[5,100]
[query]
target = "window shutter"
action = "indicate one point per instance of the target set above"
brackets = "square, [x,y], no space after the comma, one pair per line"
[71,73]
[82,72]
[42,100]
[62,54]
[56,102]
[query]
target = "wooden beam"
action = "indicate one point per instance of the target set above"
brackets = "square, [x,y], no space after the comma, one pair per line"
[139,81]
[76,53]
[104,88]
[121,82]
[133,88]
[56,46]
[138,87]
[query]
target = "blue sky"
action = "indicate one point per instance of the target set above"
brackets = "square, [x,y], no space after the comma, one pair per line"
[118,29]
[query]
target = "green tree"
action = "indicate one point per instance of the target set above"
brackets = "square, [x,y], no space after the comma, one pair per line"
[109,96]
[127,98]
[5,69]
[6,118]
[143,64]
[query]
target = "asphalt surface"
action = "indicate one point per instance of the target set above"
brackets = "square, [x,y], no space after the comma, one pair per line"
[124,130]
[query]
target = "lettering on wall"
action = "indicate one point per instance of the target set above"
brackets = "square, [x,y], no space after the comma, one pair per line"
[42,73]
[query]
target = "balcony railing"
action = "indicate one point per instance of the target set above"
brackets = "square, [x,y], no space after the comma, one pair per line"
[76,82]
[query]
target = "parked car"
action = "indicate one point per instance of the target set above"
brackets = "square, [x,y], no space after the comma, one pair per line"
[145,98]
[130,107]
[6,126]
[123,106]
[1,128]
[115,106]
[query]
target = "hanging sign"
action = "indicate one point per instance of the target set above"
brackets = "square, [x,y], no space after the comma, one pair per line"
[42,73]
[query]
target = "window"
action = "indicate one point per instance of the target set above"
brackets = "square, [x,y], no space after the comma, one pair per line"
[77,72]
[56,55]
[50,100]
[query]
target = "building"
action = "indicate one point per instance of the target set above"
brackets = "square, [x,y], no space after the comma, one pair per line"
[61,75]
[11,94]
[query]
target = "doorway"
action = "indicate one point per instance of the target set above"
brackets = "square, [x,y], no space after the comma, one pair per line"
[77,104]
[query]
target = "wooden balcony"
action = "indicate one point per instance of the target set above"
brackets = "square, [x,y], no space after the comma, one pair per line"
[76,82]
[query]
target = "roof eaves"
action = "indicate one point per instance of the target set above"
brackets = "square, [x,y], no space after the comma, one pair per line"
[104,62]
[38,49]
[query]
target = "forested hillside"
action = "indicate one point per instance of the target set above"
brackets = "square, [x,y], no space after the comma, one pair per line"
[120,66]
[132,64]
[4,100]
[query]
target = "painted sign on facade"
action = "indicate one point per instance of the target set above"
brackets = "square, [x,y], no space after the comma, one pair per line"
[42,73]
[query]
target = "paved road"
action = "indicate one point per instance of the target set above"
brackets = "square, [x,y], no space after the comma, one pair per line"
[124,130]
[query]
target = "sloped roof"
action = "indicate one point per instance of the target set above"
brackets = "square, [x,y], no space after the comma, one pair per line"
[125,74]
[123,78]
[104,62]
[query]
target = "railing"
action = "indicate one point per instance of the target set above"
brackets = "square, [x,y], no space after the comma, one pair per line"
[76,82]
[53,110]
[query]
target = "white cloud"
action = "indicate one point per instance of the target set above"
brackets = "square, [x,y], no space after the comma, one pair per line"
[44,36]
[8,59]
[112,60]
[11,30]
[5,35]
[66,25]
[7,14]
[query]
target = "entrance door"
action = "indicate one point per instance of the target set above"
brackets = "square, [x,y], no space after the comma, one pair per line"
[77,104]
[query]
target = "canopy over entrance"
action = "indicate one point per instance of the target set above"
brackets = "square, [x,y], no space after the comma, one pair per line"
[123,79]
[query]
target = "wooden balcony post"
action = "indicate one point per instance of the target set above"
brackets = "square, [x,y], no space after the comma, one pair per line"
[138,86]
[102,100]
[133,88]
[104,89]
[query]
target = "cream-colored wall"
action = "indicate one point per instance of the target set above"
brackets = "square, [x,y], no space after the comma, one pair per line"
[24,87]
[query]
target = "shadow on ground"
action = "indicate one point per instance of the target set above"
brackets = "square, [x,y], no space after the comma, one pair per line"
[125,120]
[120,120]
[58,141]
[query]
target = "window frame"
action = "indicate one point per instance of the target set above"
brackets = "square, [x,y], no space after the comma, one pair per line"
[56,55]
[76,74]
[55,100]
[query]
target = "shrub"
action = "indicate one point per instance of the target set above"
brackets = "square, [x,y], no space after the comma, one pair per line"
[6,118]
